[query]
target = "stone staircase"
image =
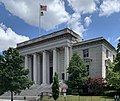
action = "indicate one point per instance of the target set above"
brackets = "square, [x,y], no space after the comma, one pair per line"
[33,92]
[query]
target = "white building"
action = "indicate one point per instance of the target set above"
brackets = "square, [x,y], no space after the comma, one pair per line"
[51,53]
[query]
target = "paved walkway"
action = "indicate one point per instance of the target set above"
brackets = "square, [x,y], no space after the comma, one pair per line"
[9,100]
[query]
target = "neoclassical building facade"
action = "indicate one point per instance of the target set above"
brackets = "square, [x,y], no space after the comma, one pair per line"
[51,53]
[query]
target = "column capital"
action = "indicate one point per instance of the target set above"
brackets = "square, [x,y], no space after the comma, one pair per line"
[27,55]
[45,51]
[67,46]
[56,48]
[35,53]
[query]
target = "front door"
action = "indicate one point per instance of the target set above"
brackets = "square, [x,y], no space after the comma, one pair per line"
[51,75]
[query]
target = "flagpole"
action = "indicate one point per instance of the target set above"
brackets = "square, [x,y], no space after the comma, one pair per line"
[41,13]
[41,23]
[39,18]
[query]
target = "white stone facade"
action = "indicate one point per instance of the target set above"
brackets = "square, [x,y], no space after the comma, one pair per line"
[51,53]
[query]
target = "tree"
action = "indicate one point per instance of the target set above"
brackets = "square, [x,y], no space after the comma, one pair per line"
[114,71]
[13,76]
[55,87]
[117,59]
[77,73]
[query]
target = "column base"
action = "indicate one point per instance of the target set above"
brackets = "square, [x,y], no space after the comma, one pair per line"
[44,84]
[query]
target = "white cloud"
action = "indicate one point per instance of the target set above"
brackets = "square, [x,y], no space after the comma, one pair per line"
[87,21]
[117,39]
[28,10]
[55,15]
[109,7]
[83,6]
[75,24]
[109,39]
[8,38]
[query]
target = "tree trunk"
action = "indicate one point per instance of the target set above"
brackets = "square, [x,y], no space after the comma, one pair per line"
[11,95]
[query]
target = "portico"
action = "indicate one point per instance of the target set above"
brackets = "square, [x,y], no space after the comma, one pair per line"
[48,54]
[41,66]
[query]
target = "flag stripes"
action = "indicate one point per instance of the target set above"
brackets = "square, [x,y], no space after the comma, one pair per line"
[43,7]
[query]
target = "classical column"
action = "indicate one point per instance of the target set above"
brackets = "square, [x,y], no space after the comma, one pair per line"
[58,65]
[26,61]
[66,61]
[44,67]
[30,67]
[54,61]
[39,68]
[35,68]
[47,68]
[71,52]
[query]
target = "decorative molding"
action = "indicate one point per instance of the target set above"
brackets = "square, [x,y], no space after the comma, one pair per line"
[88,60]
[39,48]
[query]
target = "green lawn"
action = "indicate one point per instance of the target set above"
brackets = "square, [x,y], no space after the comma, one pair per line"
[81,98]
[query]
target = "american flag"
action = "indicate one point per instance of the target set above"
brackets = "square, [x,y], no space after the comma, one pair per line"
[43,7]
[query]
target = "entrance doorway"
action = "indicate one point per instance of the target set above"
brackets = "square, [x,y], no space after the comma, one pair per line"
[51,75]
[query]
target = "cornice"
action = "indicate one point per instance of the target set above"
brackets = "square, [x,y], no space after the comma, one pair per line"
[99,40]
[51,36]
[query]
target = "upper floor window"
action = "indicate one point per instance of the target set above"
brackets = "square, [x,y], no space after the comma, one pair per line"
[86,53]
[106,53]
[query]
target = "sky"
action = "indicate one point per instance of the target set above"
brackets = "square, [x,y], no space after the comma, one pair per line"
[19,19]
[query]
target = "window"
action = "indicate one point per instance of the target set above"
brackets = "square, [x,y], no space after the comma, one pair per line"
[86,53]
[87,69]
[113,57]
[106,53]
[107,71]
[63,76]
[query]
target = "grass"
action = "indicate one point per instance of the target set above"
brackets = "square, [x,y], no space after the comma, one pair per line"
[81,98]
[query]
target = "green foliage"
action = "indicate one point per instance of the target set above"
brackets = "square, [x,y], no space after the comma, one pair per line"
[55,87]
[77,73]
[117,59]
[13,76]
[114,71]
[114,77]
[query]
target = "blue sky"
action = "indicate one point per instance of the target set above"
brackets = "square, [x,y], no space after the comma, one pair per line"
[19,19]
